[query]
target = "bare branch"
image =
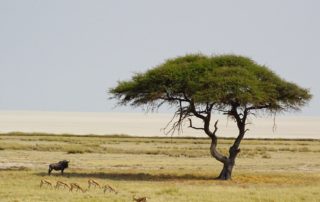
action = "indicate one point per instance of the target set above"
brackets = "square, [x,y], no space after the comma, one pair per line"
[235,115]
[215,127]
[169,97]
[274,128]
[211,106]
[161,103]
[191,126]
[181,114]
[186,97]
[223,111]
[195,112]
[168,124]
[257,107]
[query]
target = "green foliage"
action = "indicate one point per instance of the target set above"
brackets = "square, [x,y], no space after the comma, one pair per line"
[223,80]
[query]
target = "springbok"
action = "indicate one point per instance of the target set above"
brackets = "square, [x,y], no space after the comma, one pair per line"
[141,199]
[76,187]
[109,188]
[93,183]
[62,184]
[46,182]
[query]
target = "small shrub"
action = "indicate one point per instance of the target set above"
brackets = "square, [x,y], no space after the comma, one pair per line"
[15,168]
[266,156]
[304,149]
[75,151]
[288,149]
[88,151]
[261,149]
[272,149]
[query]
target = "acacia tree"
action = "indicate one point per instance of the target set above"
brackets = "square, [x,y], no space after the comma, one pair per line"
[199,85]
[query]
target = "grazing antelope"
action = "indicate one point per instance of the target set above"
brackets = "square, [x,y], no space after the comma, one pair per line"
[62,184]
[76,187]
[109,188]
[141,199]
[46,182]
[93,183]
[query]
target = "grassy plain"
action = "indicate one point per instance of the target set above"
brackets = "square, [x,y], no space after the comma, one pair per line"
[162,169]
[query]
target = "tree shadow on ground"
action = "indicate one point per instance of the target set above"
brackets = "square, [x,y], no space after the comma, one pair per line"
[130,176]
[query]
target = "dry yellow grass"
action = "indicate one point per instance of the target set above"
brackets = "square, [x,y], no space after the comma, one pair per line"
[162,169]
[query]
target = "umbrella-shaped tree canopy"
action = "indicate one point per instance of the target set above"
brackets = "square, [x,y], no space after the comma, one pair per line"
[223,80]
[199,85]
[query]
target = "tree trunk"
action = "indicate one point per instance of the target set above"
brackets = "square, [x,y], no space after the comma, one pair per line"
[226,172]
[229,163]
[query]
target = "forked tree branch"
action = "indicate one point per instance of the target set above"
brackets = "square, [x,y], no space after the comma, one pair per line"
[184,112]
[191,126]
[215,127]
[195,112]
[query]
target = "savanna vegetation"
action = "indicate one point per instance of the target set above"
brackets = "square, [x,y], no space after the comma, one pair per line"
[162,169]
[199,86]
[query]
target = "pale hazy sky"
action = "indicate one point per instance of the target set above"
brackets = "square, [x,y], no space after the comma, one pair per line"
[63,55]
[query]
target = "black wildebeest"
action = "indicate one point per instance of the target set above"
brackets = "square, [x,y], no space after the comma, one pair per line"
[61,165]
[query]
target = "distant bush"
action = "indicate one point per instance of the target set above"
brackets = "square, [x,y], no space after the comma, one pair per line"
[266,156]
[295,149]
[20,168]
[78,150]
[304,149]
[75,151]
